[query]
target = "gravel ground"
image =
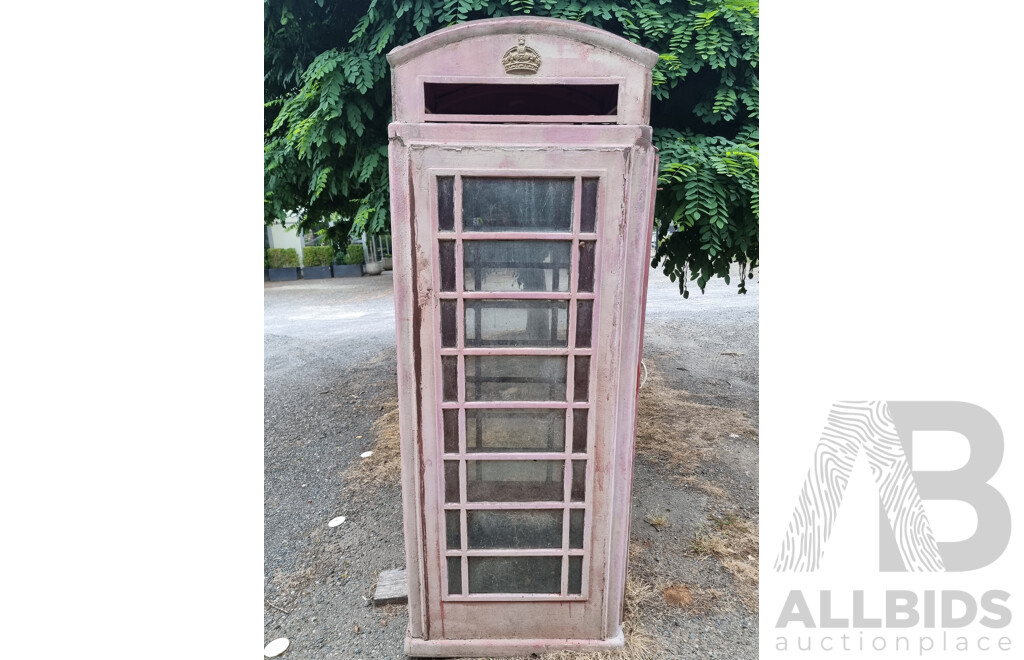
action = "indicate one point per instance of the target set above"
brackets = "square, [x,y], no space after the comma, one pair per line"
[329,361]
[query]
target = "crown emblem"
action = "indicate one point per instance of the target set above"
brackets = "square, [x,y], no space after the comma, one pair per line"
[521,58]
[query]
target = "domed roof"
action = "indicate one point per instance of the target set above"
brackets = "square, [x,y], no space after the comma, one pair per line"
[572,30]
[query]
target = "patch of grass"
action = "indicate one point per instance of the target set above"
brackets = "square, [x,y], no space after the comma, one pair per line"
[734,542]
[680,435]
[637,546]
[705,486]
[677,594]
[742,565]
[658,522]
[709,545]
[385,466]
[729,521]
[639,594]
[746,577]
[691,597]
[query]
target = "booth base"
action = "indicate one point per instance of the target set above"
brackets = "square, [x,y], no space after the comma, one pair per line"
[474,648]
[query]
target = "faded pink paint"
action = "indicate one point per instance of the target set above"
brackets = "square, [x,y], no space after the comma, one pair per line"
[616,149]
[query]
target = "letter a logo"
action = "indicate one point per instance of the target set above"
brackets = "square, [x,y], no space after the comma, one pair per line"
[906,542]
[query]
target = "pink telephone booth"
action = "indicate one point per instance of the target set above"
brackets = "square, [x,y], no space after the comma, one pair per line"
[522,192]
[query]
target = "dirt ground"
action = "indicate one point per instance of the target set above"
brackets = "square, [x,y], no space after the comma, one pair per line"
[330,395]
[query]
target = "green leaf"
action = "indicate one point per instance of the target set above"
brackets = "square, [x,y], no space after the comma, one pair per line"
[327,105]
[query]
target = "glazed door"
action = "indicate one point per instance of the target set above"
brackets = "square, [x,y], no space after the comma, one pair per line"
[521,242]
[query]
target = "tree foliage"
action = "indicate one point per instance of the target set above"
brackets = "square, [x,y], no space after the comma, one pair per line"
[328,103]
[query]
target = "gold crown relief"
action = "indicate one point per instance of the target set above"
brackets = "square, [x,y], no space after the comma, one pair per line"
[521,58]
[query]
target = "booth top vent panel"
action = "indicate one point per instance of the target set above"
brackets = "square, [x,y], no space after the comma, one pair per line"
[522,70]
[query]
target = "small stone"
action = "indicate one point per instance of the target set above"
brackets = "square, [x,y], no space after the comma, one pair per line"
[276,647]
[366,454]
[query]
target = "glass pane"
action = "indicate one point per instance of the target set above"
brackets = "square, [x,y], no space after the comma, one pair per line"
[446,203]
[451,481]
[588,209]
[515,378]
[455,576]
[453,530]
[514,481]
[502,204]
[514,529]
[449,315]
[581,378]
[584,323]
[450,377]
[451,431]
[576,529]
[579,481]
[516,265]
[579,429]
[586,279]
[515,575]
[575,575]
[515,430]
[446,264]
[517,322]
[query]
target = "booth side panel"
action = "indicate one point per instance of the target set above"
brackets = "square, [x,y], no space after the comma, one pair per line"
[639,359]
[635,250]
[612,297]
[408,407]
[428,383]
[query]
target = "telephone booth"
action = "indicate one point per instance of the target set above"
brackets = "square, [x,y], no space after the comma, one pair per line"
[522,191]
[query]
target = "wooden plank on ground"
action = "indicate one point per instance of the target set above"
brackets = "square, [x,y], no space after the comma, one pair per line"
[391,588]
